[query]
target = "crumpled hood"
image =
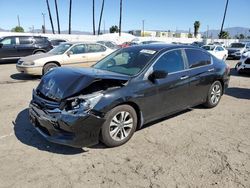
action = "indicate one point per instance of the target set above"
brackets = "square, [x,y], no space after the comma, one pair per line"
[62,83]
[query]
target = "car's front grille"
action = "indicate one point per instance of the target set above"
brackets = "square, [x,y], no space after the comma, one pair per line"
[44,102]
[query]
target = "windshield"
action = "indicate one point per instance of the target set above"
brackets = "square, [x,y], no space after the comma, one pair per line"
[209,48]
[60,49]
[128,61]
[237,45]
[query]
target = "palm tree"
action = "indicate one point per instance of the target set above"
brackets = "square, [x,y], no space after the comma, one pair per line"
[100,20]
[120,21]
[196,28]
[225,12]
[70,6]
[57,16]
[50,17]
[93,17]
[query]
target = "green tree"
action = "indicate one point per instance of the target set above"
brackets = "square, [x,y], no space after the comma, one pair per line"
[190,35]
[242,36]
[196,28]
[224,35]
[114,29]
[18,29]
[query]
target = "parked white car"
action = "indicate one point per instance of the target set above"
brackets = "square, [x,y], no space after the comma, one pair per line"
[216,50]
[77,54]
[244,65]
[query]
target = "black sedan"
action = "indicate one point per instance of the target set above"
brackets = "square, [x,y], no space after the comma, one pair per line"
[124,91]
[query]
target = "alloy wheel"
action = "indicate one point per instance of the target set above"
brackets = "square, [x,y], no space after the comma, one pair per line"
[121,125]
[215,94]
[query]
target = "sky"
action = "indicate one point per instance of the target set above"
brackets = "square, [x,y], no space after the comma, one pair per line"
[158,14]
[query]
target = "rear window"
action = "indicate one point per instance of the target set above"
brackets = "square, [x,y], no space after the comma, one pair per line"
[197,58]
[40,40]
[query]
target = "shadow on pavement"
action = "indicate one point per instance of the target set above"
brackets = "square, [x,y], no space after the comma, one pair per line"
[5,62]
[26,133]
[102,146]
[26,77]
[233,72]
[240,93]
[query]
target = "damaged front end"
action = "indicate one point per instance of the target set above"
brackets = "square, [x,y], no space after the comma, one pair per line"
[65,114]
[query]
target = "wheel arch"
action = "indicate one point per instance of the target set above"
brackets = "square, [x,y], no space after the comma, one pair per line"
[39,50]
[137,110]
[55,62]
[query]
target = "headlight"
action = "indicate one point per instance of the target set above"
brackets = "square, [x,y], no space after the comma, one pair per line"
[28,63]
[82,103]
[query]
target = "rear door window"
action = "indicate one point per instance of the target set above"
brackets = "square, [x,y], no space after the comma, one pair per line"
[197,58]
[25,40]
[94,48]
[170,62]
[78,49]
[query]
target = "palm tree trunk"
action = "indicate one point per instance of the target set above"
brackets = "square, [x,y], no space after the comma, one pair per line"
[100,20]
[50,17]
[93,17]
[70,6]
[224,17]
[57,16]
[120,21]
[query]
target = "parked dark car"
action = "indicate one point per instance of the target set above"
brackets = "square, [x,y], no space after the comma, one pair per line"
[198,44]
[56,42]
[124,91]
[14,47]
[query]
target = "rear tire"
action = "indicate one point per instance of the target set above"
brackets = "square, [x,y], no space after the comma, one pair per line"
[48,67]
[119,127]
[214,95]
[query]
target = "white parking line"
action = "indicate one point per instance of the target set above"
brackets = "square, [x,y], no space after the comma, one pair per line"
[7,135]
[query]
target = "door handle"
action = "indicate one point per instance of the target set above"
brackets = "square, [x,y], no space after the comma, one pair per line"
[83,56]
[184,77]
[211,70]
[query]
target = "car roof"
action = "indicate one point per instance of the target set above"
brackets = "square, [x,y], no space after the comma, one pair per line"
[74,43]
[24,36]
[160,47]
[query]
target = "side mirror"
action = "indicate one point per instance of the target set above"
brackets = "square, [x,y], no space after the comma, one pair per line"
[1,45]
[157,74]
[69,53]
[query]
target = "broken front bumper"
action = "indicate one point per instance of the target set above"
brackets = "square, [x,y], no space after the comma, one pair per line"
[64,128]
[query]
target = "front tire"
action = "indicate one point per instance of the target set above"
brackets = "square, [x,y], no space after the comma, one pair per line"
[214,95]
[48,67]
[119,127]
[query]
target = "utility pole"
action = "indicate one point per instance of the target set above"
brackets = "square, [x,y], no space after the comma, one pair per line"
[225,12]
[43,28]
[50,17]
[143,31]
[18,20]
[57,17]
[104,27]
[70,7]
[207,30]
